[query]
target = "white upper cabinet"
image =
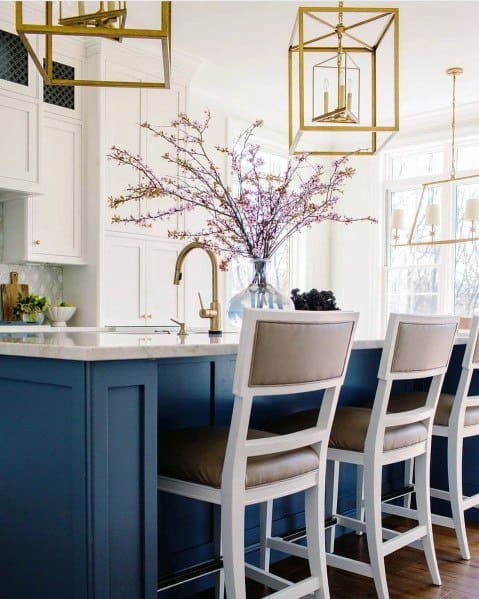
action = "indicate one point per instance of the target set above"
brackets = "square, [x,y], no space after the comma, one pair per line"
[48,228]
[124,111]
[19,152]
[56,216]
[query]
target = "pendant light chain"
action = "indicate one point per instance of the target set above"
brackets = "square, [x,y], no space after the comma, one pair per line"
[453,145]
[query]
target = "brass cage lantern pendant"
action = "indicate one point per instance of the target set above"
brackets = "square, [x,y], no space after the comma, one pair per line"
[109,21]
[343,80]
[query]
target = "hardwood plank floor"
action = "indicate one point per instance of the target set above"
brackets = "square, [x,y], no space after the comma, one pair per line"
[407,573]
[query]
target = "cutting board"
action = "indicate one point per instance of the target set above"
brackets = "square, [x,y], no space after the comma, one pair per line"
[10,293]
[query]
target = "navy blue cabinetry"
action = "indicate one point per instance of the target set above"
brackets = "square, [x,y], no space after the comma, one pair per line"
[80,516]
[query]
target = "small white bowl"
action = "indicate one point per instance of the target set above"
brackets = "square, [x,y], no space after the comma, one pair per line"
[59,315]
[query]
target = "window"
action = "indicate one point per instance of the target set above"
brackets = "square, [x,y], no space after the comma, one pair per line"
[429,279]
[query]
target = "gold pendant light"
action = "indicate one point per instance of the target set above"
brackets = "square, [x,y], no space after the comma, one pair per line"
[337,57]
[107,21]
[432,212]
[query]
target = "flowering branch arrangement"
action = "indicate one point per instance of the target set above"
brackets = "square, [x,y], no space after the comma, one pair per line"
[254,216]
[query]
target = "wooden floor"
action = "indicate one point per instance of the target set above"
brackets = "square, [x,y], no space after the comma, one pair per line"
[407,573]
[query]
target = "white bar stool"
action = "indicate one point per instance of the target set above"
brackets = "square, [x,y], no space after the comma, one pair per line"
[279,353]
[415,347]
[457,417]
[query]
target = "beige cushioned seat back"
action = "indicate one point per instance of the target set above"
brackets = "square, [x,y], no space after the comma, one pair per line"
[292,353]
[421,347]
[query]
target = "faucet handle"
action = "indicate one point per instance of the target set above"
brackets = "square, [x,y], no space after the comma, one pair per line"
[182,332]
[201,301]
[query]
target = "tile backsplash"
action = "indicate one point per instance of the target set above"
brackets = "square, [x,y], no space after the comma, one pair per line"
[43,279]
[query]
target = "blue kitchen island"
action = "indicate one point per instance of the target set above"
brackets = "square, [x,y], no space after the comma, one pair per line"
[80,415]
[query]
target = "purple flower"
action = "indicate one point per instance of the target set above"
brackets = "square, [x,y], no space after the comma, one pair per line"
[254,218]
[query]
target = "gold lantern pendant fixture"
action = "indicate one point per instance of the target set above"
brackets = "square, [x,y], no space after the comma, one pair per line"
[345,74]
[107,22]
[112,15]
[432,212]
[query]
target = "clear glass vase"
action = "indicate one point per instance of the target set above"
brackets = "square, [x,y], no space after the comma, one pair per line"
[258,294]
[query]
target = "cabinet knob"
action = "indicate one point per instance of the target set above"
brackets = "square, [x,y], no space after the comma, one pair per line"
[36,242]
[148,316]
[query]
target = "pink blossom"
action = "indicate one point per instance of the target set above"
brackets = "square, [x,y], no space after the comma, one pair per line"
[255,219]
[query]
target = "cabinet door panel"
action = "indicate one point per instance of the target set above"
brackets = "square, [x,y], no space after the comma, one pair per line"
[122,127]
[162,295]
[18,151]
[162,107]
[56,215]
[123,280]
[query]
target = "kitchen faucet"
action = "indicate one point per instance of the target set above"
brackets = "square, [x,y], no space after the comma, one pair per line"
[214,311]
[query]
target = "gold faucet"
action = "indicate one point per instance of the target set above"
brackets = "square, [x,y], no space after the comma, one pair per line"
[214,311]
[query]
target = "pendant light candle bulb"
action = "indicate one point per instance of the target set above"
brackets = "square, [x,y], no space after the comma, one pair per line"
[471,212]
[433,215]
[325,96]
[350,94]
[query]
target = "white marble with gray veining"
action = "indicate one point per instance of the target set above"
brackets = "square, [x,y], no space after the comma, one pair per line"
[98,346]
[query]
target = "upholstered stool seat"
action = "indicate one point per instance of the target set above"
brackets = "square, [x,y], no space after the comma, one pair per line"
[197,455]
[411,401]
[350,427]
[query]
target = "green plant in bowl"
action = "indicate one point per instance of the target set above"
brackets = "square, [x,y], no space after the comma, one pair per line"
[31,308]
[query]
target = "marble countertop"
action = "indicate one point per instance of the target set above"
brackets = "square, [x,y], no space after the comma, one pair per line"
[91,345]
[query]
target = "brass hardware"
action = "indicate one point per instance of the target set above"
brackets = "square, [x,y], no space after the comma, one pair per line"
[148,316]
[307,133]
[36,242]
[182,332]
[454,72]
[99,24]
[213,313]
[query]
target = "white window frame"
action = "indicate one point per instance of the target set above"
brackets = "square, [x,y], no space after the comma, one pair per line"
[447,252]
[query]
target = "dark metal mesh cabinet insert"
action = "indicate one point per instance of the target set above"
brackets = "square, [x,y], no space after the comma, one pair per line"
[13,59]
[60,95]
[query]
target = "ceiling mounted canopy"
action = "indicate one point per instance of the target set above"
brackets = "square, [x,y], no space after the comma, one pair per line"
[428,211]
[110,20]
[343,66]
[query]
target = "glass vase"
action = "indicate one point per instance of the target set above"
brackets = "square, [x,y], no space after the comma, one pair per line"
[258,294]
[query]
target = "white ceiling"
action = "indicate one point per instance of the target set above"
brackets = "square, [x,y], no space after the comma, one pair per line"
[242,46]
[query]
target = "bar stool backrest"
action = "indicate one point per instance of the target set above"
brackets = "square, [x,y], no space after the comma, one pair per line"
[415,347]
[471,354]
[282,352]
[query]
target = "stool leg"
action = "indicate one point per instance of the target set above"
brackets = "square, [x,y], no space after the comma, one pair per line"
[373,515]
[454,461]
[265,526]
[232,536]
[332,481]
[359,495]
[408,478]
[423,501]
[220,577]
[314,501]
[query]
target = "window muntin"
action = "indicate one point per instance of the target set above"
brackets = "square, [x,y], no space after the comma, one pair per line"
[433,278]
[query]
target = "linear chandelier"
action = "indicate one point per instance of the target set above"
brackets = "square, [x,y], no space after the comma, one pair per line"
[343,66]
[432,212]
[108,21]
